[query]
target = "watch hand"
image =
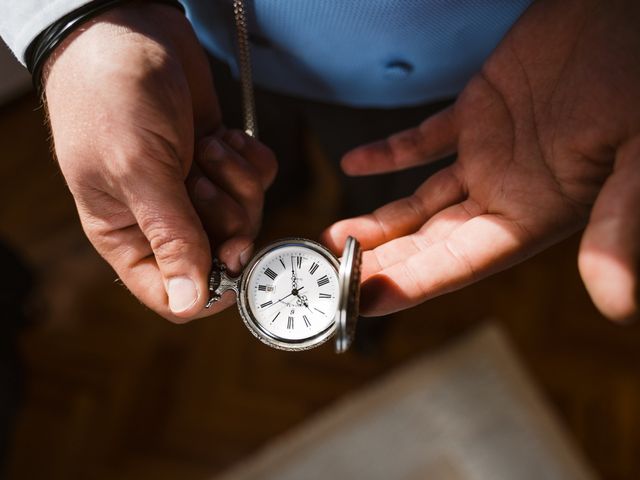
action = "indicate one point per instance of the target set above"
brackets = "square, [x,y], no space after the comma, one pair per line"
[305,302]
[302,299]
[294,277]
[281,300]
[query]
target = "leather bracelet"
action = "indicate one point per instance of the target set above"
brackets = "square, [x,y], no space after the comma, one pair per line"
[46,42]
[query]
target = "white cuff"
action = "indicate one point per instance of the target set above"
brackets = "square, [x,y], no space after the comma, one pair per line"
[22,21]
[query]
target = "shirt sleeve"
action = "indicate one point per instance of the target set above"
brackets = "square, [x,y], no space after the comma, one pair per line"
[22,21]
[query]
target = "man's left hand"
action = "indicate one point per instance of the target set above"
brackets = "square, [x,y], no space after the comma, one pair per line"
[548,141]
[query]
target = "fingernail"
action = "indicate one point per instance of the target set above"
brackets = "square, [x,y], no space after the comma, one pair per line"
[236,140]
[245,255]
[182,294]
[205,190]
[214,150]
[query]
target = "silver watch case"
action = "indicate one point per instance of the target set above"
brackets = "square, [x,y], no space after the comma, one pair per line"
[344,322]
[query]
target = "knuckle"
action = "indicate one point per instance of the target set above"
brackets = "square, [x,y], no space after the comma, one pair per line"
[232,221]
[168,249]
[169,245]
[232,226]
[253,190]
[237,140]
[404,144]
[248,188]
[216,153]
[239,223]
[262,160]
[467,268]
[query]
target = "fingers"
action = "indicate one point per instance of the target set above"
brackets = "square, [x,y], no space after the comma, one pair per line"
[256,153]
[227,184]
[433,139]
[609,255]
[230,173]
[401,217]
[481,246]
[437,229]
[235,253]
[144,279]
[179,245]
[221,215]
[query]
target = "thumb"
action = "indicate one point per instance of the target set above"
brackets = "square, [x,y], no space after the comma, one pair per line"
[181,253]
[610,251]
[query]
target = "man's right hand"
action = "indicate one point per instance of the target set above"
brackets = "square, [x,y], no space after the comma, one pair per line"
[130,100]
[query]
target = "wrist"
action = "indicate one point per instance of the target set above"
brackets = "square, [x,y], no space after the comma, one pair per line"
[40,50]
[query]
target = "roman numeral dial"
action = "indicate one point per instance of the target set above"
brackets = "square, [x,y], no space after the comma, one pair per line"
[292,293]
[270,273]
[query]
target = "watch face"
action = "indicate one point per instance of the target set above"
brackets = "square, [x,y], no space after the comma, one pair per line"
[290,294]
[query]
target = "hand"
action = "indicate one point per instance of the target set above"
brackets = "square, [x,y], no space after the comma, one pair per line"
[294,277]
[287,296]
[129,96]
[227,185]
[303,301]
[548,140]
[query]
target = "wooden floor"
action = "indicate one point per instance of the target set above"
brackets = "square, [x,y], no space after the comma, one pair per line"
[114,392]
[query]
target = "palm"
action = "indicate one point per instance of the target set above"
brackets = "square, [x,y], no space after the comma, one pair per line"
[510,178]
[537,138]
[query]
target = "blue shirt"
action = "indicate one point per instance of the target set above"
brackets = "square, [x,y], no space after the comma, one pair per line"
[369,53]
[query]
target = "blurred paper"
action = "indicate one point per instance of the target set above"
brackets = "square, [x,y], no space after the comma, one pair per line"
[468,413]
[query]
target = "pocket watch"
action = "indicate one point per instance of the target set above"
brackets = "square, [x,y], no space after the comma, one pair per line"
[294,294]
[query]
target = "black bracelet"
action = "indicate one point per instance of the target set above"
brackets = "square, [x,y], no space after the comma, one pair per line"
[45,43]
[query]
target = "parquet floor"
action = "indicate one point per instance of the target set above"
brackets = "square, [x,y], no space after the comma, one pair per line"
[114,392]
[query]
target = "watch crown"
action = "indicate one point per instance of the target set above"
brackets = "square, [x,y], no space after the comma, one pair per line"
[219,282]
